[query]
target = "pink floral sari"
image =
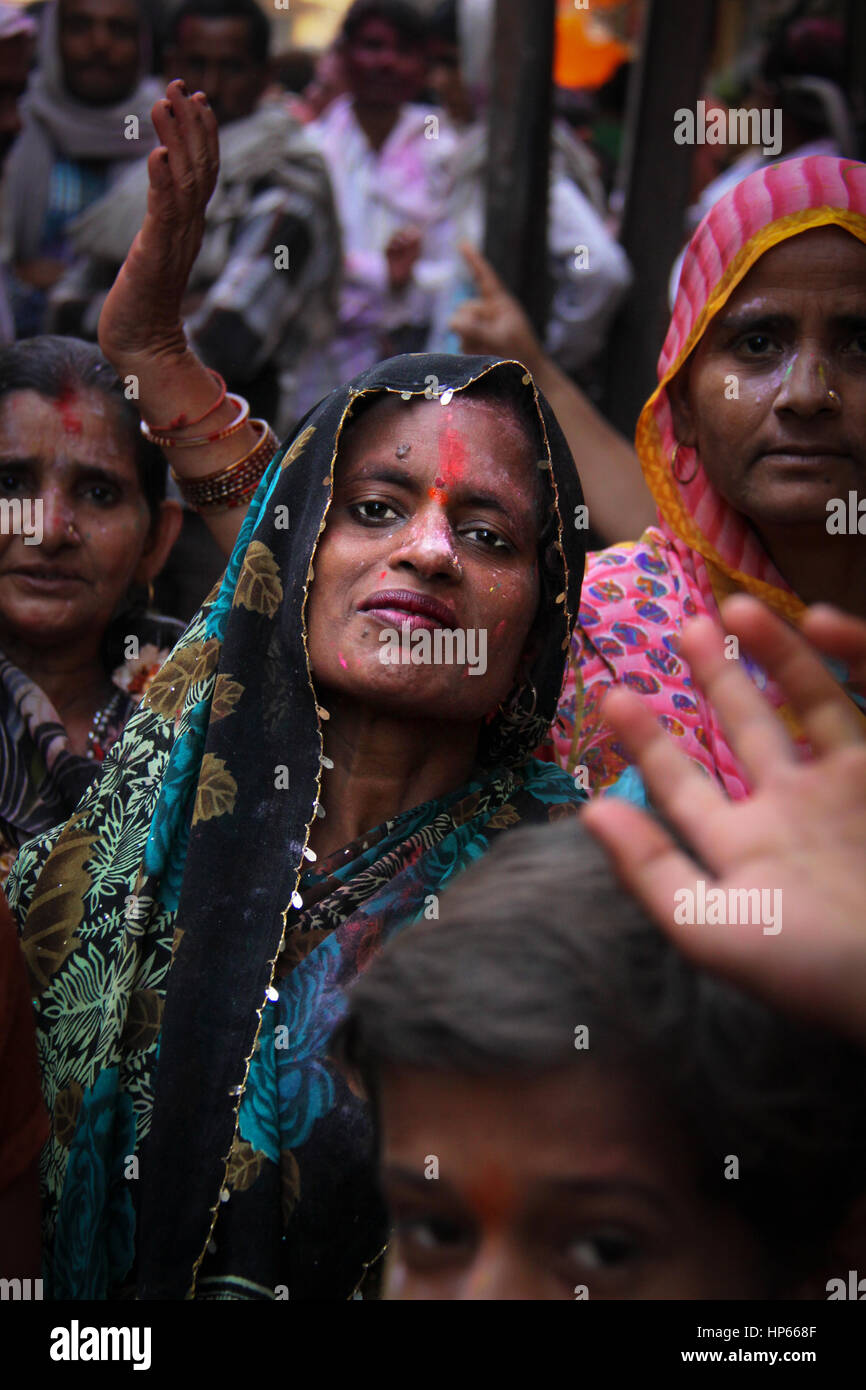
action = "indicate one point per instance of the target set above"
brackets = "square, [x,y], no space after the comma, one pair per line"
[636,596]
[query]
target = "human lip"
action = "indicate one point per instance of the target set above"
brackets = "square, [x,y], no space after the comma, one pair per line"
[806,451]
[396,606]
[46,577]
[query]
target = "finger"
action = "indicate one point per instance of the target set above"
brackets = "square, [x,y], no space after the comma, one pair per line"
[755,731]
[643,855]
[211,135]
[485,277]
[162,116]
[838,635]
[681,791]
[188,115]
[182,176]
[829,719]
[468,316]
[158,170]
[667,884]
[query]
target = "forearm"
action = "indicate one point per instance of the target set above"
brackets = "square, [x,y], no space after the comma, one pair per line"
[179,386]
[619,502]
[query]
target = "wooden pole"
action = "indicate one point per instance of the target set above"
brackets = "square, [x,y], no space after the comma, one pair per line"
[675,55]
[855,37]
[519,150]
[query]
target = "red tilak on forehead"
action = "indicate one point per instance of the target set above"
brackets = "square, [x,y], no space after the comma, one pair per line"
[452,456]
[492,1194]
[63,405]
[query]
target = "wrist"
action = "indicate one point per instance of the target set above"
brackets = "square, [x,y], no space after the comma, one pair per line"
[166,385]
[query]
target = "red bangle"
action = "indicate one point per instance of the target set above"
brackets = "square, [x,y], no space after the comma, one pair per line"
[234,485]
[170,441]
[181,422]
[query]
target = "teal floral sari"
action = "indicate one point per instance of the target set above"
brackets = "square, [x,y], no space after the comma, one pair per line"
[188,961]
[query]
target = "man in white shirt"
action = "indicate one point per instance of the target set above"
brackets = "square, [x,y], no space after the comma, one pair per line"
[589,270]
[388,167]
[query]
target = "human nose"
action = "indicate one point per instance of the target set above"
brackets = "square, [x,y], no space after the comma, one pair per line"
[427,544]
[806,387]
[101,38]
[495,1275]
[58,520]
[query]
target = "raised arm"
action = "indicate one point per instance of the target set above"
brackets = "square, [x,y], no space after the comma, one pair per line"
[619,502]
[141,329]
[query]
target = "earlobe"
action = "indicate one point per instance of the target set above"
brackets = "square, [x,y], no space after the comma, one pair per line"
[681,409]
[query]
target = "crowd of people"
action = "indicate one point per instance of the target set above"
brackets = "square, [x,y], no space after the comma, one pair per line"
[538,977]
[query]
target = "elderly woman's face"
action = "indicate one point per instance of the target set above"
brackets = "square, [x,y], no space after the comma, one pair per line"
[65,459]
[774,396]
[432,531]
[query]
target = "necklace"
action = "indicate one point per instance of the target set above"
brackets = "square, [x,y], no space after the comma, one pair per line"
[102,721]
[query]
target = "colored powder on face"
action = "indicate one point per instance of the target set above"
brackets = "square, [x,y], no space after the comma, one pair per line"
[438,495]
[452,456]
[71,421]
[789,371]
[498,630]
[343,662]
[492,1195]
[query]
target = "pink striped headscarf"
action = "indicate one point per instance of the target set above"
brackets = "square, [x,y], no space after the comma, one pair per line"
[636,596]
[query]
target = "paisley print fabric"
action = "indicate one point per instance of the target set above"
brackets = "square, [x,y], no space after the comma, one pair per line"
[188,962]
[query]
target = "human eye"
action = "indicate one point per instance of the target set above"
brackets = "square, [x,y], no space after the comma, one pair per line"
[373,513]
[102,494]
[425,1238]
[487,537]
[857,343]
[10,481]
[756,344]
[604,1249]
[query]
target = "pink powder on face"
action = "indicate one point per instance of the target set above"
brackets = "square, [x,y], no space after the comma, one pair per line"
[71,421]
[342,660]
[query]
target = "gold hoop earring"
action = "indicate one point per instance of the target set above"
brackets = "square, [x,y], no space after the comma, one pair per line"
[683,482]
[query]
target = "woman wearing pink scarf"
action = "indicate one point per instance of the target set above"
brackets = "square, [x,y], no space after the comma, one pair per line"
[753,446]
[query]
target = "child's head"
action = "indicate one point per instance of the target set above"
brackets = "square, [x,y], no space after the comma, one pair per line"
[567,1108]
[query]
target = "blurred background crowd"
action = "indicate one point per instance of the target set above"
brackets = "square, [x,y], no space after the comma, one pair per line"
[362,152]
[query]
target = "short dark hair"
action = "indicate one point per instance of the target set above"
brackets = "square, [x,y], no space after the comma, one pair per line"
[538,938]
[402,17]
[258,27]
[52,365]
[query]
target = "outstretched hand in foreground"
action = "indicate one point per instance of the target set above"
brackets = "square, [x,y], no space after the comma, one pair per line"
[802,831]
